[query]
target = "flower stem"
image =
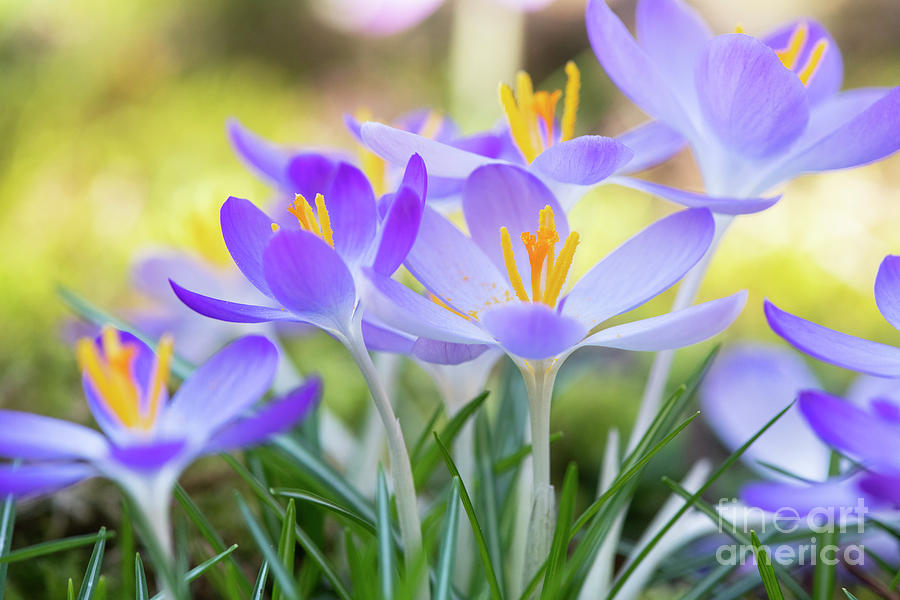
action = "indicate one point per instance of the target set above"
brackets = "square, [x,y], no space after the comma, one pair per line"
[400,468]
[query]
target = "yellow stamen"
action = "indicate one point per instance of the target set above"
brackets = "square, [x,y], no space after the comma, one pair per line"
[518,125]
[318,223]
[437,300]
[432,124]
[739,28]
[570,104]
[373,166]
[541,246]
[111,375]
[557,278]
[164,352]
[545,108]
[815,59]
[796,42]
[509,259]
[324,220]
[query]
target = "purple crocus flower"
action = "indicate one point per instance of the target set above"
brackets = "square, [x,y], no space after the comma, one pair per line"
[147,438]
[756,112]
[535,139]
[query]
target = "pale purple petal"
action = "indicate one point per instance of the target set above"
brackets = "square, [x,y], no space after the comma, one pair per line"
[415,177]
[867,388]
[397,146]
[267,159]
[383,339]
[644,266]
[752,103]
[29,480]
[351,208]
[652,143]
[717,204]
[398,234]
[852,430]
[835,494]
[585,160]
[885,487]
[310,279]
[745,388]
[532,331]
[233,312]
[452,267]
[673,330]
[309,174]
[246,231]
[149,456]
[446,353]
[381,18]
[832,346]
[829,75]
[35,437]
[275,417]
[222,388]
[887,289]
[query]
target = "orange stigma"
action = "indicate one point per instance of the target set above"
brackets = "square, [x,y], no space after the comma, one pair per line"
[111,374]
[318,223]
[526,111]
[790,54]
[548,271]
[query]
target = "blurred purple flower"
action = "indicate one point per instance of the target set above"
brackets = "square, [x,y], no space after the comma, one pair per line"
[535,139]
[148,439]
[756,112]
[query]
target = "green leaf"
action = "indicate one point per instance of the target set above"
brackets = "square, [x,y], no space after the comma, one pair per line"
[70,590]
[7,524]
[386,555]
[286,545]
[444,575]
[202,568]
[362,571]
[824,575]
[259,588]
[140,579]
[341,512]
[849,595]
[415,453]
[512,461]
[126,547]
[92,574]
[282,578]
[764,564]
[431,457]
[557,556]
[486,492]
[480,541]
[45,548]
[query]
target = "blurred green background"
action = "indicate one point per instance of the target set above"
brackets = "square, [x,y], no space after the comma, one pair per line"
[112,130]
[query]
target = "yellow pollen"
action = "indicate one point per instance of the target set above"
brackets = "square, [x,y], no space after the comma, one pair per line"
[431,125]
[548,272]
[318,223]
[275,227]
[815,59]
[161,367]
[739,28]
[111,374]
[796,42]
[437,300]
[526,109]
[373,166]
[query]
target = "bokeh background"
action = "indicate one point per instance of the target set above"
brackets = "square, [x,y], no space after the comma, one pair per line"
[112,143]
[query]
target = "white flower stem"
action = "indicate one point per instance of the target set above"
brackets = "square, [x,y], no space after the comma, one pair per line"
[400,468]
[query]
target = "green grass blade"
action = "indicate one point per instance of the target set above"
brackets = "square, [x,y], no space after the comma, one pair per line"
[70,590]
[766,572]
[126,547]
[92,574]
[444,574]
[415,453]
[507,463]
[363,571]
[620,581]
[140,579]
[848,594]
[480,541]
[431,457]
[7,524]
[259,588]
[824,576]
[486,492]
[344,514]
[45,548]
[560,542]
[386,552]
[286,546]
[282,578]
[203,567]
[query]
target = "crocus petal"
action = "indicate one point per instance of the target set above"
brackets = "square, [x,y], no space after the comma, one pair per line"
[752,103]
[871,135]
[351,207]
[829,74]
[452,267]
[673,330]
[652,144]
[832,346]
[150,274]
[717,204]
[585,160]
[397,146]
[310,279]
[398,306]
[851,429]
[498,196]
[532,331]
[246,231]
[150,456]
[841,496]
[398,234]
[446,353]
[309,174]
[630,68]
[641,268]
[673,35]
[882,486]
[275,417]
[382,18]
[866,388]
[415,177]
[382,339]
[222,388]
[29,480]
[224,310]
[35,437]
[887,289]
[745,388]
[265,158]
